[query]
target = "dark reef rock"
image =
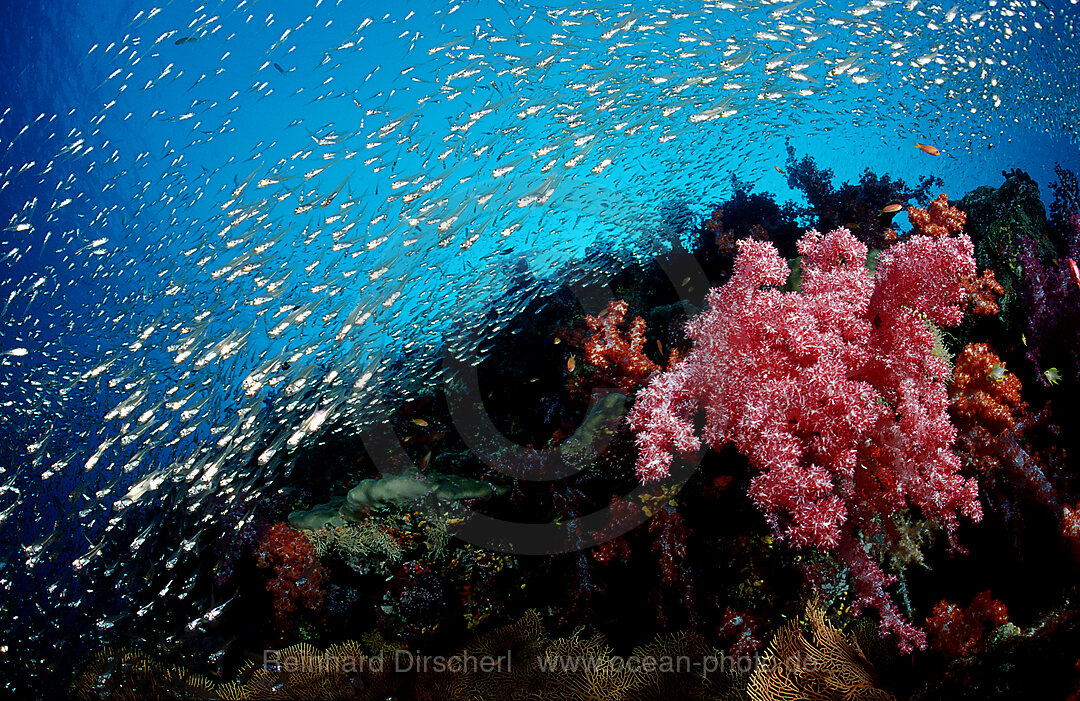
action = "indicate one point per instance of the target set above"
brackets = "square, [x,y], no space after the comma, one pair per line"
[998,219]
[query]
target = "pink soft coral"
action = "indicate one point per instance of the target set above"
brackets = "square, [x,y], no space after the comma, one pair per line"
[835,393]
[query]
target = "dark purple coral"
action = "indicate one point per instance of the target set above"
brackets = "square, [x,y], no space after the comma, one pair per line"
[1065,212]
[1050,294]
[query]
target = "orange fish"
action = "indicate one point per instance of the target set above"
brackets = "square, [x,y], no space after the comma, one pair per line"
[1075,270]
[891,208]
[570,364]
[779,171]
[420,422]
[927,148]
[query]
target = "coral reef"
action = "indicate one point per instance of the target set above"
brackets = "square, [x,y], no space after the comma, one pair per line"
[999,221]
[422,581]
[847,434]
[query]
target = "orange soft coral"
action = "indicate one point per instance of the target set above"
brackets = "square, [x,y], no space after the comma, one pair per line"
[938,219]
[983,293]
[983,392]
[618,358]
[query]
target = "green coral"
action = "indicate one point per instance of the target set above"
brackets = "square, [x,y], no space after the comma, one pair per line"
[319,517]
[597,426]
[386,491]
[394,492]
[356,543]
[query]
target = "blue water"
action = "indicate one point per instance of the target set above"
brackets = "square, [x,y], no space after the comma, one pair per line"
[128,228]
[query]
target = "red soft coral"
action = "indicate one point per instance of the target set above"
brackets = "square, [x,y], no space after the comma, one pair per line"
[298,577]
[983,294]
[957,632]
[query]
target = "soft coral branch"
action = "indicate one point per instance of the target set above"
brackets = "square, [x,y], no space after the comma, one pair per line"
[618,357]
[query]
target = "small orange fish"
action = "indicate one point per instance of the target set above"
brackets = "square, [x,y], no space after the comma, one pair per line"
[891,208]
[1075,270]
[570,364]
[420,422]
[659,347]
[778,170]
[927,148]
